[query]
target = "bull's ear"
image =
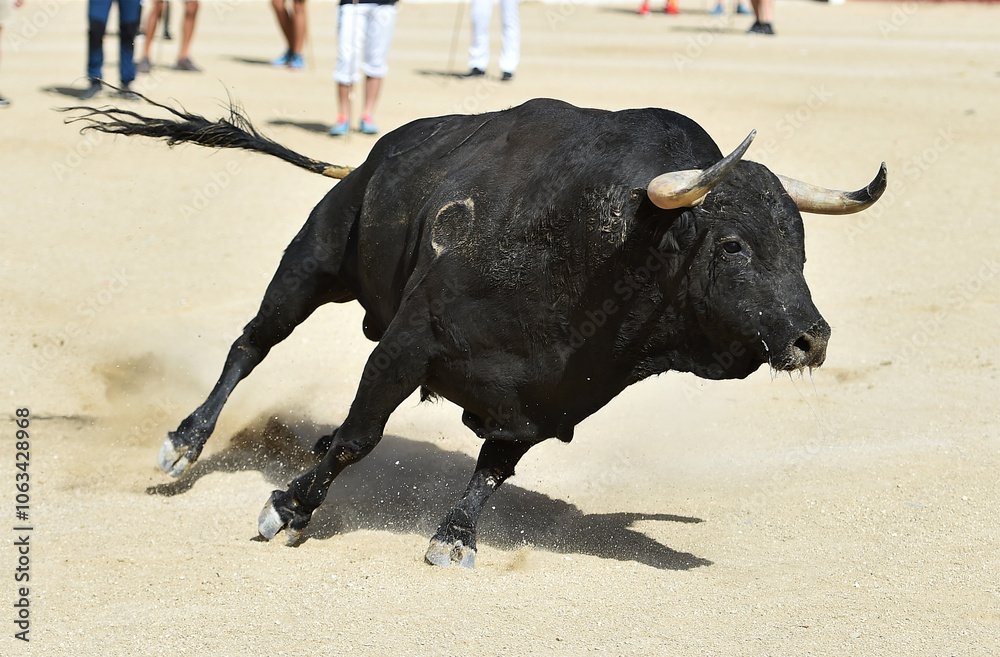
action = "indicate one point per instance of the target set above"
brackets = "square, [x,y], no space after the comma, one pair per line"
[819,200]
[686,189]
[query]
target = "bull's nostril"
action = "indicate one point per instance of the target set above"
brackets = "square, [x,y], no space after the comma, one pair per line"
[808,350]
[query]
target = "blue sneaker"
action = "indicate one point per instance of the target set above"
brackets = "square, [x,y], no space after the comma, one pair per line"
[282,60]
[296,61]
[340,128]
[718,11]
[742,9]
[368,126]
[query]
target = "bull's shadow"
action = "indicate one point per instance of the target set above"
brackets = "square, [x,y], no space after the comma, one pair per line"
[407,486]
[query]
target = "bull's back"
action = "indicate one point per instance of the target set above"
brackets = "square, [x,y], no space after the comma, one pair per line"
[501,192]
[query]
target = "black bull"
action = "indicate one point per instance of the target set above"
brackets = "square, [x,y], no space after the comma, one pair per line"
[527,265]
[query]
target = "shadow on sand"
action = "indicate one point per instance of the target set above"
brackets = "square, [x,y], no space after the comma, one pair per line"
[71,92]
[308,126]
[407,486]
[253,61]
[656,9]
[455,75]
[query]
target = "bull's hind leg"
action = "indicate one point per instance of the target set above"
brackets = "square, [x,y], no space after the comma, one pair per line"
[455,540]
[396,368]
[300,285]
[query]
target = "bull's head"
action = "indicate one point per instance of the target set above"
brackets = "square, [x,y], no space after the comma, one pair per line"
[747,257]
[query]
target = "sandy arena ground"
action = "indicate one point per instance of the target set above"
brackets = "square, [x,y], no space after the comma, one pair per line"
[850,513]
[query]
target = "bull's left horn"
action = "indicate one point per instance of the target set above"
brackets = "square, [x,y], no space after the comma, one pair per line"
[685,189]
[810,198]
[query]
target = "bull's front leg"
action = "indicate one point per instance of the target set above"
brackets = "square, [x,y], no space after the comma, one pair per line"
[455,540]
[292,509]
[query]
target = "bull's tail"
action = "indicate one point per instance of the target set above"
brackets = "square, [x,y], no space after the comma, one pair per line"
[233,132]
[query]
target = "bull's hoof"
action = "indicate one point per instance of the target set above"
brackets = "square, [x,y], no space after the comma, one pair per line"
[444,554]
[174,457]
[281,512]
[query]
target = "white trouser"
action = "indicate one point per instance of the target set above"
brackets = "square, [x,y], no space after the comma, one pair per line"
[363,38]
[510,35]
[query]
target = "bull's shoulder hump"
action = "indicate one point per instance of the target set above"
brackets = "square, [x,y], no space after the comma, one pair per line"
[538,120]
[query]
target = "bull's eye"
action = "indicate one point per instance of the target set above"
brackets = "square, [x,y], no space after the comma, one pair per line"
[732,246]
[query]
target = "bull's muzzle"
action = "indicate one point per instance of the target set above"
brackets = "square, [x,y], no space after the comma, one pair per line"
[807,350]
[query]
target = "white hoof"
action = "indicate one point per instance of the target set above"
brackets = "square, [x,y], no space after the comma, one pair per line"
[269,521]
[173,457]
[444,554]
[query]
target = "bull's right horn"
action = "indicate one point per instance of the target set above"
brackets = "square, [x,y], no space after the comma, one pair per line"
[685,189]
[818,200]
